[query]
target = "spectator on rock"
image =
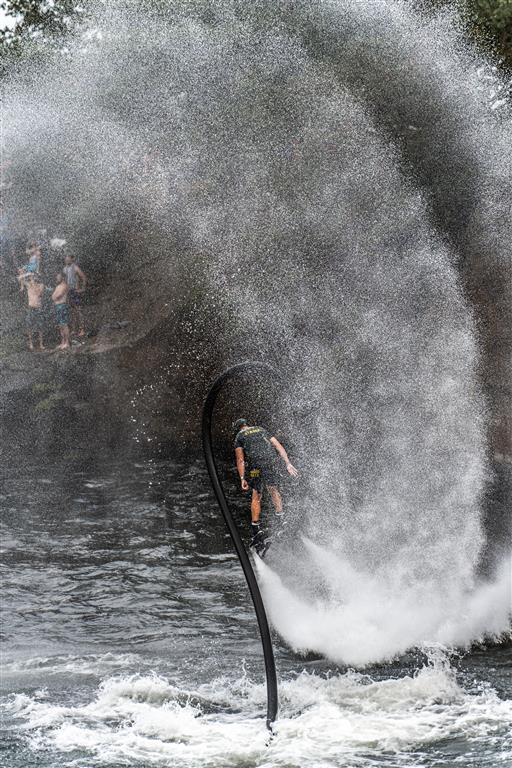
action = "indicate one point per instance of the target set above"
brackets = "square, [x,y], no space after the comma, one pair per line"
[76,282]
[35,319]
[60,300]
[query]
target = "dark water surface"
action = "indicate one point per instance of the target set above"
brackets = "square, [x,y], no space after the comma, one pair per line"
[129,639]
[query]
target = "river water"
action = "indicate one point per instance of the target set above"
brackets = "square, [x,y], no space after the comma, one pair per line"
[129,640]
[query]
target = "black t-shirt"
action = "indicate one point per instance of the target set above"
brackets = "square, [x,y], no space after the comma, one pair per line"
[256,445]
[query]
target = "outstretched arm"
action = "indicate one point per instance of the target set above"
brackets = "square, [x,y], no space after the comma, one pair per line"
[281,451]
[240,465]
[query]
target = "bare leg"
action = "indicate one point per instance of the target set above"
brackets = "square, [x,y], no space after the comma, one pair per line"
[41,345]
[73,323]
[64,337]
[258,543]
[80,322]
[64,332]
[59,346]
[30,342]
[276,499]
[255,506]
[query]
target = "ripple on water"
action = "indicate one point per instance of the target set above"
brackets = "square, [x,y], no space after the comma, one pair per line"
[88,582]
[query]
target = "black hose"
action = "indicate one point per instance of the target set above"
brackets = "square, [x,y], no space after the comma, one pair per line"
[268,653]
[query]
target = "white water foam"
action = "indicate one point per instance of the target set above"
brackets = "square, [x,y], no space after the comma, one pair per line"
[342,720]
[96,665]
[364,618]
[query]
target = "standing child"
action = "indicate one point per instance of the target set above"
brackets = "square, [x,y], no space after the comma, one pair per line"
[35,320]
[60,300]
[76,280]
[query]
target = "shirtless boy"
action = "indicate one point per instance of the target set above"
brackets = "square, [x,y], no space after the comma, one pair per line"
[60,300]
[35,319]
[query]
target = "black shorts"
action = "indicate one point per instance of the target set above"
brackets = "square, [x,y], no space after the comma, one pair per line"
[74,298]
[257,477]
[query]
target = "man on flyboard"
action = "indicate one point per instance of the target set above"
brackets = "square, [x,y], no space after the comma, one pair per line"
[255,453]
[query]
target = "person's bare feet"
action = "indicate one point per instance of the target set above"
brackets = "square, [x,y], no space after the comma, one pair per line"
[81,333]
[42,348]
[31,347]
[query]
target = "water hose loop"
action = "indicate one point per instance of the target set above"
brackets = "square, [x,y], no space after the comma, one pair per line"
[206,432]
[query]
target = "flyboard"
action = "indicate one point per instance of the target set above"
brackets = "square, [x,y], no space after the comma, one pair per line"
[260,544]
[206,431]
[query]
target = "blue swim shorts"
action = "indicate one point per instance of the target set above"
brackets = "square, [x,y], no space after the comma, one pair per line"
[62,313]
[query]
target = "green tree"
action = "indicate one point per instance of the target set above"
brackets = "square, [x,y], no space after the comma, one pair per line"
[490,23]
[43,23]
[38,20]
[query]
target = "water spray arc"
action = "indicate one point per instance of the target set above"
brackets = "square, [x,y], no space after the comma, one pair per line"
[347,153]
[206,431]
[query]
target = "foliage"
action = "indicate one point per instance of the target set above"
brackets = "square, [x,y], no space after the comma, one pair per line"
[45,22]
[488,23]
[49,403]
[38,19]
[491,24]
[47,396]
[36,29]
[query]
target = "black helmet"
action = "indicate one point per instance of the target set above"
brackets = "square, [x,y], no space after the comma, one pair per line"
[238,424]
